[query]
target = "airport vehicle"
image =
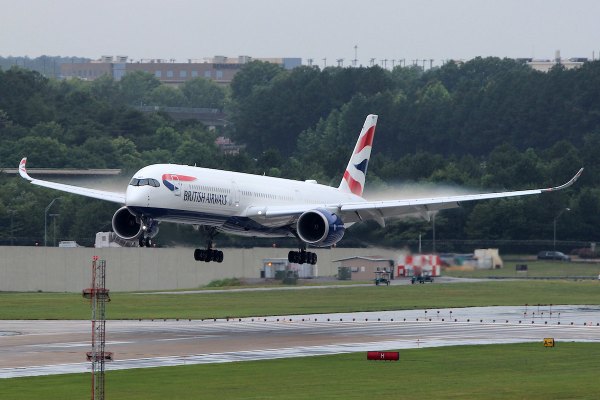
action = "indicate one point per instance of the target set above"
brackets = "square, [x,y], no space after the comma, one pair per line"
[421,278]
[260,206]
[553,255]
[382,278]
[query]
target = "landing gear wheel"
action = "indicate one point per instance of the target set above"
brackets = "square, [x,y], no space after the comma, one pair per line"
[209,254]
[302,257]
[199,255]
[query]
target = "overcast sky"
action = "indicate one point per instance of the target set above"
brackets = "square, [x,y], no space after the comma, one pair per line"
[317,29]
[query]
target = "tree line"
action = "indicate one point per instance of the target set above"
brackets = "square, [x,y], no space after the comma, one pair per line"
[487,124]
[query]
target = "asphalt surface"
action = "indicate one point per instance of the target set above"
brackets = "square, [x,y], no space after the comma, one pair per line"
[31,348]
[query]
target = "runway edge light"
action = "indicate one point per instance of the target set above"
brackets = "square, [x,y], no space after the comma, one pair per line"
[383,355]
[548,342]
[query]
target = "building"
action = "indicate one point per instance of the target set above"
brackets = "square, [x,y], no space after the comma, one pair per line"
[364,268]
[419,264]
[545,65]
[219,69]
[273,265]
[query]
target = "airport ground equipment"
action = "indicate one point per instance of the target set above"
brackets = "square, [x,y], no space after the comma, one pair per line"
[382,278]
[421,278]
[98,296]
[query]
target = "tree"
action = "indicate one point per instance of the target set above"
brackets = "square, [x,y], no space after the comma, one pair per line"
[166,96]
[136,87]
[203,93]
[252,75]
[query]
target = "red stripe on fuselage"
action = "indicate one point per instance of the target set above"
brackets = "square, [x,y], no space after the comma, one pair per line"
[354,185]
[183,178]
[366,140]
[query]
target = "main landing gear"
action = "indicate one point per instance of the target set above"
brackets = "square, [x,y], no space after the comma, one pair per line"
[209,254]
[302,257]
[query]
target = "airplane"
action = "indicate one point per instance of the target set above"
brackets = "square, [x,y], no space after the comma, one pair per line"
[260,206]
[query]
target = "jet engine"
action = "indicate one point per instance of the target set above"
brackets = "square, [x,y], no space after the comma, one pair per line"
[126,225]
[320,227]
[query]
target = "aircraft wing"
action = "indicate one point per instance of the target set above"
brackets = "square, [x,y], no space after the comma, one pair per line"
[82,191]
[378,210]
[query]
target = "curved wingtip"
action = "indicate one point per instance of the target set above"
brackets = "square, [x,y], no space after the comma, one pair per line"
[566,185]
[23,169]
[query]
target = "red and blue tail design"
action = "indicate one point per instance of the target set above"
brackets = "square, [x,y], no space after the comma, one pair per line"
[356,171]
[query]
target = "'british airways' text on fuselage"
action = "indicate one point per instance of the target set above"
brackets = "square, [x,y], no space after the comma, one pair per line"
[206,198]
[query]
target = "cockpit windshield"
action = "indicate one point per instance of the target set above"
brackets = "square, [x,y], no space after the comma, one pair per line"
[144,182]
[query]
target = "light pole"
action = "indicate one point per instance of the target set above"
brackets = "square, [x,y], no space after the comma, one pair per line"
[12,213]
[46,220]
[54,223]
[554,225]
[433,223]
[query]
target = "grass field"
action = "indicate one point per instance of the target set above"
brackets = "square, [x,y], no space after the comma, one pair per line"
[521,371]
[536,269]
[283,302]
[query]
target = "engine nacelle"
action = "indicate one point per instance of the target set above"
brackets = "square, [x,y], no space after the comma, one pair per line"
[126,225]
[320,227]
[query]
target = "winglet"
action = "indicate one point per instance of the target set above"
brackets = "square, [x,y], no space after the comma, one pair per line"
[566,185]
[23,170]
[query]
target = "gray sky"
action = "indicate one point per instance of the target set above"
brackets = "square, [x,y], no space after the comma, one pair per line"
[382,29]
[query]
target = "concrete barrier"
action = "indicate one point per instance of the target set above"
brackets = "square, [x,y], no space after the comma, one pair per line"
[53,269]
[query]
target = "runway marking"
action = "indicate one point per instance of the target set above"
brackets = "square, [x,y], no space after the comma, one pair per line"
[74,344]
[397,329]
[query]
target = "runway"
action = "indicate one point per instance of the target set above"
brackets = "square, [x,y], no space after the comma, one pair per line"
[32,348]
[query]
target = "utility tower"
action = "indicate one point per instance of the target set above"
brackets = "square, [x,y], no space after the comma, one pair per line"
[98,296]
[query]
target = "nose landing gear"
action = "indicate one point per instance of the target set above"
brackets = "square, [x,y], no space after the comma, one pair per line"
[149,229]
[145,241]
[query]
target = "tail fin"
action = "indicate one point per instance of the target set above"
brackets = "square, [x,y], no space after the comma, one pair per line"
[356,171]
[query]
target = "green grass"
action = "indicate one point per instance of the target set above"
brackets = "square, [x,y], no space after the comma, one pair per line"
[224,283]
[537,269]
[521,371]
[282,302]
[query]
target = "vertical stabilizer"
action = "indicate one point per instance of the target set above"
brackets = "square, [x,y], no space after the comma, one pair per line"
[356,171]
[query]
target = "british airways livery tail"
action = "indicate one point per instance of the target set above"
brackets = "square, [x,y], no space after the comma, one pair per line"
[259,206]
[354,177]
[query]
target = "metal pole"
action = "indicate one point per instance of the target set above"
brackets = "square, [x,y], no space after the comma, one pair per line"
[554,235]
[12,213]
[46,220]
[54,223]
[554,227]
[434,233]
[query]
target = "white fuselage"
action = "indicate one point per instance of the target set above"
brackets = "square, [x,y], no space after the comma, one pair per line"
[222,199]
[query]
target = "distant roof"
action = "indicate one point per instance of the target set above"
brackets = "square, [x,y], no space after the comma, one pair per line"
[363,258]
[68,171]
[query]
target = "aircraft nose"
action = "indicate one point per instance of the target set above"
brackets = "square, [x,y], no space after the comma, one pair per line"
[137,196]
